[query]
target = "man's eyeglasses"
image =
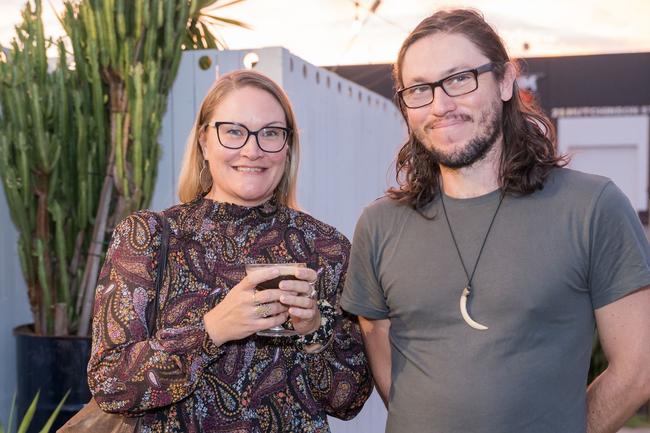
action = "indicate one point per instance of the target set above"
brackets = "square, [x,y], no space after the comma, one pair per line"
[233,135]
[460,83]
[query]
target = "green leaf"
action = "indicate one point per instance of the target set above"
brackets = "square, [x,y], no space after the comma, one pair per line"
[12,412]
[48,425]
[27,419]
[29,415]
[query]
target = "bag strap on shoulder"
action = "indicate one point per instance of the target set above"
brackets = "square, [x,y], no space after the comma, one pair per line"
[152,317]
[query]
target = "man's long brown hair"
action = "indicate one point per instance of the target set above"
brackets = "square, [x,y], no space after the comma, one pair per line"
[529,151]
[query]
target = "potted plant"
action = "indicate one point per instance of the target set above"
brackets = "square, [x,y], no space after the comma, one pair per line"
[78,152]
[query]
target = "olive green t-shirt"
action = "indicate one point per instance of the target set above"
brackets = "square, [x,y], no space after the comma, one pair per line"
[551,258]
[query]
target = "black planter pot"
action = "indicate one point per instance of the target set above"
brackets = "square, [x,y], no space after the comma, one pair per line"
[52,365]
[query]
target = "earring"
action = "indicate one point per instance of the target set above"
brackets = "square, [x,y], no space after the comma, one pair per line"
[205,183]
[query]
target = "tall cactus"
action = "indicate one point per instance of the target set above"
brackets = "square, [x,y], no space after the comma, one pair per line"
[78,142]
[34,125]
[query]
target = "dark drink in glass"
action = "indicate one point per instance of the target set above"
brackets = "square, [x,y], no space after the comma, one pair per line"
[287,271]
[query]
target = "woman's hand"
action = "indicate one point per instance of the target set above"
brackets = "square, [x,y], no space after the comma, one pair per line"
[244,310]
[300,297]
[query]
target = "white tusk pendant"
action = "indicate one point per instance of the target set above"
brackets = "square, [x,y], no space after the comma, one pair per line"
[465,314]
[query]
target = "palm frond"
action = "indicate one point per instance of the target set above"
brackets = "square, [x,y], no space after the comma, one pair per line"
[199,34]
[213,19]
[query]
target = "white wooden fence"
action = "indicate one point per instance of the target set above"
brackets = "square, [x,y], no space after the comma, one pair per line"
[349,138]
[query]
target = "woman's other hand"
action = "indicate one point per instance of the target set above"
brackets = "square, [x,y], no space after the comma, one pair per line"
[300,298]
[245,310]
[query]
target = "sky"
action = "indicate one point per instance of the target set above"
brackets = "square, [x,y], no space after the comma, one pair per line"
[337,32]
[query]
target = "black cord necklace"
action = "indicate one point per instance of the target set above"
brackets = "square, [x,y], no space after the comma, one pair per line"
[464,297]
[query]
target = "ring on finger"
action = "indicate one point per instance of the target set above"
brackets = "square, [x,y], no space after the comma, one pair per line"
[263,310]
[255,300]
[312,284]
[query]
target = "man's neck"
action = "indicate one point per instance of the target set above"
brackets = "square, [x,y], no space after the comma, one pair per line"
[479,179]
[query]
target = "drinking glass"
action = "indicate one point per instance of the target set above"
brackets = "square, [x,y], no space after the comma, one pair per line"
[287,271]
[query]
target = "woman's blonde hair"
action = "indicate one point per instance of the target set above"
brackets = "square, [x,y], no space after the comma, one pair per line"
[193,183]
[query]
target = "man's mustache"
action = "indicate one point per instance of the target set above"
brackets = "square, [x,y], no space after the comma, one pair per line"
[450,117]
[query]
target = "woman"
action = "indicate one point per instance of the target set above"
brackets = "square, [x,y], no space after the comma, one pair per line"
[205,369]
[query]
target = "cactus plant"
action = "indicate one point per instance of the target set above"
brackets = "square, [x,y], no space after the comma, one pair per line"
[78,137]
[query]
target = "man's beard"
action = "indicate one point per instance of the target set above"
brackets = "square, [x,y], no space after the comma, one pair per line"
[476,149]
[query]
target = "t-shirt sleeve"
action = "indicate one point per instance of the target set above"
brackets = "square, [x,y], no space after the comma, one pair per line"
[619,260]
[363,294]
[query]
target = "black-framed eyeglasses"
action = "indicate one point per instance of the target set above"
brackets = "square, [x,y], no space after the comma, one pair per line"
[460,83]
[233,135]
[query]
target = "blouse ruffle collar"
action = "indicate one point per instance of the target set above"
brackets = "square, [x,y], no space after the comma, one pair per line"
[234,211]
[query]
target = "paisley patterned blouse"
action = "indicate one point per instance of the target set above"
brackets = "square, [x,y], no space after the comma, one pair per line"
[179,380]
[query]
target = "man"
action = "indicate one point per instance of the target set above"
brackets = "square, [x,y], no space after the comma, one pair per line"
[479,281]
